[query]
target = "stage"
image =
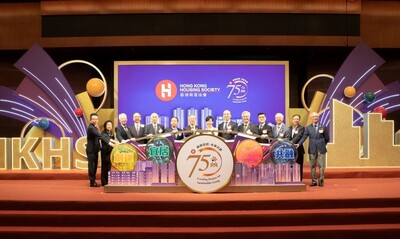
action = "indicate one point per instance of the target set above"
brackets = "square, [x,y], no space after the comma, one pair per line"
[60,204]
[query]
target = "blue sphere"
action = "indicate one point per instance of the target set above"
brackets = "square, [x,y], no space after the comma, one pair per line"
[44,123]
[283,151]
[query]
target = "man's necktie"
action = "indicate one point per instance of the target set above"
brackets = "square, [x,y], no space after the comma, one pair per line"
[137,129]
[225,126]
[127,131]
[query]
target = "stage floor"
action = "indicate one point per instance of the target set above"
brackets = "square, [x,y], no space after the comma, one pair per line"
[79,190]
[58,208]
[72,185]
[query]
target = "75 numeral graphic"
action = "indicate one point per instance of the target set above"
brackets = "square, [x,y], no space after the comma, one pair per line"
[234,87]
[199,158]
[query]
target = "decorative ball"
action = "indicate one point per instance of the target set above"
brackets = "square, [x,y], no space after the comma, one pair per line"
[369,97]
[44,123]
[159,150]
[78,112]
[123,157]
[381,110]
[283,151]
[349,91]
[249,152]
[95,87]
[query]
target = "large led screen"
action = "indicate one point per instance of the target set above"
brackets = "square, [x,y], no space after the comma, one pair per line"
[202,88]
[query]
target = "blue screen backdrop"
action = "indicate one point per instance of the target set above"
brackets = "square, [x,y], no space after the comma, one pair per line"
[202,88]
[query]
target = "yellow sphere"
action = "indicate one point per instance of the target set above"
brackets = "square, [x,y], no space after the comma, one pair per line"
[95,87]
[349,91]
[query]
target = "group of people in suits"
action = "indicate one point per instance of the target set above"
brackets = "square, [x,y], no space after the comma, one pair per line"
[296,133]
[316,133]
[139,132]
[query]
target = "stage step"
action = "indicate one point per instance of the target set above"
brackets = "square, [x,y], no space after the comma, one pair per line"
[189,205]
[254,218]
[367,208]
[75,174]
[387,231]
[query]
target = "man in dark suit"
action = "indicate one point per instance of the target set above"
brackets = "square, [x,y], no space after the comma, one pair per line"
[154,128]
[122,131]
[192,126]
[279,130]
[137,129]
[93,147]
[173,129]
[247,127]
[295,133]
[319,137]
[228,126]
[264,130]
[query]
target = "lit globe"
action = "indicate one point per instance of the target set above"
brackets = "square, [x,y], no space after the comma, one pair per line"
[159,150]
[95,87]
[249,152]
[123,157]
[283,151]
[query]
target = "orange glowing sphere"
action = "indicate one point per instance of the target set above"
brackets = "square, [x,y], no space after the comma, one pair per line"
[95,87]
[249,152]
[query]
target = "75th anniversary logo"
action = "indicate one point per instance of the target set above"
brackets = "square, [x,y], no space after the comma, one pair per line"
[205,163]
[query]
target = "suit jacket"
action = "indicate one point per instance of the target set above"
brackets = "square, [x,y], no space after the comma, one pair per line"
[266,129]
[106,149]
[252,127]
[318,138]
[178,136]
[136,135]
[122,134]
[295,136]
[283,132]
[233,127]
[93,136]
[189,128]
[149,129]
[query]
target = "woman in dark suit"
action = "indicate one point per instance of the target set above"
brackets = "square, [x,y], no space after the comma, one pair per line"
[105,152]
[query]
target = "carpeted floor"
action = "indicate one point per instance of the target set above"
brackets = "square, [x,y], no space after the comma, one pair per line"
[353,204]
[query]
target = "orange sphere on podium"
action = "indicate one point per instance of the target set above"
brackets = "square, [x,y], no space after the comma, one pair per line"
[95,87]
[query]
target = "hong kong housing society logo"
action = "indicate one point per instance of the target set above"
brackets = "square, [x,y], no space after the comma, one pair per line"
[238,89]
[166,90]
